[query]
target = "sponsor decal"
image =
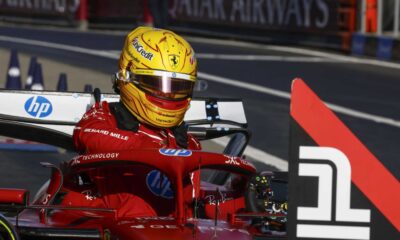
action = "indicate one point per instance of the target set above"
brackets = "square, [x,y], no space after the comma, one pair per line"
[89,195]
[38,107]
[232,161]
[212,199]
[75,160]
[289,14]
[140,49]
[204,229]
[106,133]
[175,152]
[244,162]
[43,7]
[46,199]
[155,226]
[100,156]
[159,184]
[145,219]
[173,60]
[154,218]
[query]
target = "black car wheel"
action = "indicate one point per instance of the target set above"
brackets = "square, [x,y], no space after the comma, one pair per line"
[7,230]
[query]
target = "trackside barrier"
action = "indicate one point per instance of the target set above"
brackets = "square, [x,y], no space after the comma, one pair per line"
[385,46]
[358,44]
[278,22]
[321,23]
[380,47]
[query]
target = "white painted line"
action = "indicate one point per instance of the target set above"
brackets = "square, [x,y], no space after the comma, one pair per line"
[241,84]
[298,50]
[286,95]
[332,232]
[239,57]
[258,155]
[60,46]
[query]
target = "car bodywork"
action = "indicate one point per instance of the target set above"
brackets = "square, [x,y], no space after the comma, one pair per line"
[231,201]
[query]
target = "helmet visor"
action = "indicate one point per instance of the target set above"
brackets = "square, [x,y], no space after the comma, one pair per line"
[164,86]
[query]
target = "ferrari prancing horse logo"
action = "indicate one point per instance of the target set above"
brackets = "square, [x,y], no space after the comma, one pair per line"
[173,60]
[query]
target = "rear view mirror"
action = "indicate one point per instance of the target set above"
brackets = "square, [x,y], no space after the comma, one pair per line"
[12,197]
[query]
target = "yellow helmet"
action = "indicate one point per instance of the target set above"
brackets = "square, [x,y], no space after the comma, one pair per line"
[157,73]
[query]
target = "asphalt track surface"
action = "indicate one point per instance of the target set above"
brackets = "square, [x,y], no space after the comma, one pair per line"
[366,86]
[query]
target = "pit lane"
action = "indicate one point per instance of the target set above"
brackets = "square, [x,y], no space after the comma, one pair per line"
[369,88]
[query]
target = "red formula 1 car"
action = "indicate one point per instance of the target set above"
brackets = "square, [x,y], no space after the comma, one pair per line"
[151,193]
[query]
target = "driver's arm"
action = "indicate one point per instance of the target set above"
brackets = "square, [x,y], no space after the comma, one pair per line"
[97,132]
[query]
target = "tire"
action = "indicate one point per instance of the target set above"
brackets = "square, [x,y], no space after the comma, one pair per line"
[7,230]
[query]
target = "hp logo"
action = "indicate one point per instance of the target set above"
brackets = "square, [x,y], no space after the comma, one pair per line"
[175,152]
[159,184]
[38,107]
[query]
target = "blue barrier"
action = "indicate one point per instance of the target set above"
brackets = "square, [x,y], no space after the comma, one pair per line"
[358,44]
[385,46]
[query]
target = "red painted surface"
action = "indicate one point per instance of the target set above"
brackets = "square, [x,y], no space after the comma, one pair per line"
[367,172]
[130,166]
[15,196]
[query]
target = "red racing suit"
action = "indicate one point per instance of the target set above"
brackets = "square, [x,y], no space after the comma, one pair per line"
[110,127]
[100,131]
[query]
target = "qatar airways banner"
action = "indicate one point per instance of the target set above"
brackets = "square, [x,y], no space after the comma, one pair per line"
[63,8]
[296,15]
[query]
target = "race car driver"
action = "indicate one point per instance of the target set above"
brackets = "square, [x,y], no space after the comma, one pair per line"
[157,73]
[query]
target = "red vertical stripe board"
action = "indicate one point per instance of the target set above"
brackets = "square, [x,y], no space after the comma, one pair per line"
[367,172]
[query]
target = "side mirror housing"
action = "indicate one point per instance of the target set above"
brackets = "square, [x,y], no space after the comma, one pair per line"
[13,197]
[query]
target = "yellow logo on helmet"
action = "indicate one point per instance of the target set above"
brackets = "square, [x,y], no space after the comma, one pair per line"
[173,60]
